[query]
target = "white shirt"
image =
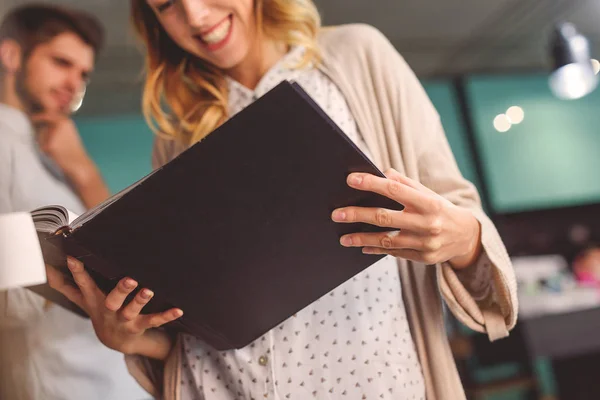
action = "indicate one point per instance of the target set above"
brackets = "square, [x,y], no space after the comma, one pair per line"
[353,343]
[47,353]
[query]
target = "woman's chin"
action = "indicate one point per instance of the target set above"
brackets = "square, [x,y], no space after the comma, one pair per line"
[226,59]
[229,61]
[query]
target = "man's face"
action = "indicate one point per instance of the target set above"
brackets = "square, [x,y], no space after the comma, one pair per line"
[54,73]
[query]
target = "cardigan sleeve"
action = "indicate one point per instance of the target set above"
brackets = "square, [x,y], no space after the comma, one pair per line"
[420,136]
[159,379]
[495,313]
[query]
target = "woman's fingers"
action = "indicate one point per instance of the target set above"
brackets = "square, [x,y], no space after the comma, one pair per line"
[380,217]
[159,319]
[392,240]
[92,296]
[397,176]
[86,284]
[135,306]
[57,281]
[115,299]
[390,188]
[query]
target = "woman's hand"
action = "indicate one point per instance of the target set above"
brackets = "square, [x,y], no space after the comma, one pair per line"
[120,327]
[430,229]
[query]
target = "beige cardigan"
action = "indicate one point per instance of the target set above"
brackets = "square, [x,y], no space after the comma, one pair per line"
[403,131]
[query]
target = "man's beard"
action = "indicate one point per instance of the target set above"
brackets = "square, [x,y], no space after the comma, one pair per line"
[30,101]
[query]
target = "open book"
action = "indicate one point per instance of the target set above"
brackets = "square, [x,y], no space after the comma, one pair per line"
[56,219]
[236,230]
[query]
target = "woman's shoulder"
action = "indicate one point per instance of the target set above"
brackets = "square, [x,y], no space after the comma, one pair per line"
[358,36]
[164,150]
[359,48]
[354,31]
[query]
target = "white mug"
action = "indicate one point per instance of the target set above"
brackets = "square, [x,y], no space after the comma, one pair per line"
[21,261]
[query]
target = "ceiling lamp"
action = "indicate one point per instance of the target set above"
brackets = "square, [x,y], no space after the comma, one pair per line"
[572,74]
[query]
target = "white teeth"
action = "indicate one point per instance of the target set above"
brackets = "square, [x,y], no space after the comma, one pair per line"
[219,33]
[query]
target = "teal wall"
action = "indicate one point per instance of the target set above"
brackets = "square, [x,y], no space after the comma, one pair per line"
[551,159]
[443,97]
[121,147]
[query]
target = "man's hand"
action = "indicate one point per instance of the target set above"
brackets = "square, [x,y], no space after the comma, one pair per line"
[59,139]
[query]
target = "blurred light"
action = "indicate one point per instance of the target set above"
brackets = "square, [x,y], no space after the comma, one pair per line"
[502,123]
[572,73]
[579,234]
[515,115]
[573,82]
[595,66]
[77,101]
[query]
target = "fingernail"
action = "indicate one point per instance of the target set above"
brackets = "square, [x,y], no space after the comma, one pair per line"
[339,215]
[177,313]
[146,294]
[367,250]
[355,179]
[73,264]
[346,241]
[130,283]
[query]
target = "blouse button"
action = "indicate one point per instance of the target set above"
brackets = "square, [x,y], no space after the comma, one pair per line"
[262,360]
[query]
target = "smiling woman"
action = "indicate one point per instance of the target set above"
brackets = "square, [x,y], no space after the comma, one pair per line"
[378,335]
[194,42]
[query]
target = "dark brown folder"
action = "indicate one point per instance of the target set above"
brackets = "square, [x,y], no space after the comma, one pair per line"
[236,230]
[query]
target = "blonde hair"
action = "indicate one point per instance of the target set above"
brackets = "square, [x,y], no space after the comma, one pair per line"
[184,97]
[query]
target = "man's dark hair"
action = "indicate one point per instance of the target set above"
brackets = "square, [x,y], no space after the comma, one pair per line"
[34,24]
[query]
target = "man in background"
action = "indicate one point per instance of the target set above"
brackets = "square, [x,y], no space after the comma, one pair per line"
[47,54]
